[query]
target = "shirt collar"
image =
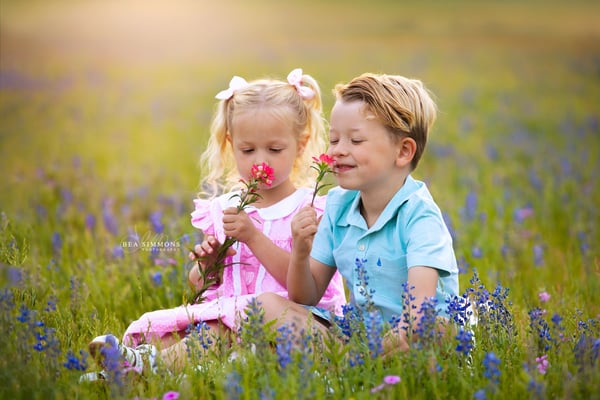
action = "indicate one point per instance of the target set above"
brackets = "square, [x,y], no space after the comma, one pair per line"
[279,210]
[355,218]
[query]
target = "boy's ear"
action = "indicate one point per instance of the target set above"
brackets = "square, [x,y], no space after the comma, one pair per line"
[406,151]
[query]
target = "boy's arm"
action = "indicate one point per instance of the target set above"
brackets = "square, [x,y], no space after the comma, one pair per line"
[307,278]
[423,283]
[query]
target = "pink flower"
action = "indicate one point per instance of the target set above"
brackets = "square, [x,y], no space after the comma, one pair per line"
[387,380]
[542,363]
[262,173]
[544,296]
[391,379]
[322,165]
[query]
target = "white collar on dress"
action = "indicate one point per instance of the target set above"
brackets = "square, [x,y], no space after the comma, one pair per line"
[276,211]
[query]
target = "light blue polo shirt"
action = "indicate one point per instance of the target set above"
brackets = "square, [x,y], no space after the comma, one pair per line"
[409,232]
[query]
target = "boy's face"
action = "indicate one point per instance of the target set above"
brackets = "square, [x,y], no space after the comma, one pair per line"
[366,156]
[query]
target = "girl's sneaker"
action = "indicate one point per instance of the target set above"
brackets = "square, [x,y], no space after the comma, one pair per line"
[110,354]
[93,376]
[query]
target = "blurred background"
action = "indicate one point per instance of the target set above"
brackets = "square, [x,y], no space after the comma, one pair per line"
[114,98]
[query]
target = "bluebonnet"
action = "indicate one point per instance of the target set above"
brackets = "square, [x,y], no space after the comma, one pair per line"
[90,222]
[426,329]
[363,285]
[459,310]
[199,335]
[470,206]
[284,345]
[156,223]
[74,363]
[25,314]
[584,246]
[15,275]
[535,180]
[157,278]
[374,328]
[233,386]
[586,351]
[449,225]
[491,365]
[538,255]
[407,306]
[110,222]
[56,243]
[345,322]
[465,341]
[117,251]
[480,395]
[112,360]
[541,329]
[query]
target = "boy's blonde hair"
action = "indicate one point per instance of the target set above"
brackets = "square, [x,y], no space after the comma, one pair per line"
[283,99]
[404,106]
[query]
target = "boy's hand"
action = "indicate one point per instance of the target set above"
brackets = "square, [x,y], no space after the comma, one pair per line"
[395,341]
[238,225]
[304,228]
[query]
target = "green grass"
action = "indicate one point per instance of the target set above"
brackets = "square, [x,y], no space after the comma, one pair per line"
[105,109]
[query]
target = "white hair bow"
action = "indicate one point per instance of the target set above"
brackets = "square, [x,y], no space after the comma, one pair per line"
[295,79]
[235,84]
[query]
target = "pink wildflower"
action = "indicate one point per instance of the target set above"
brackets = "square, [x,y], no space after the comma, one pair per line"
[170,395]
[391,379]
[542,363]
[322,165]
[387,380]
[544,296]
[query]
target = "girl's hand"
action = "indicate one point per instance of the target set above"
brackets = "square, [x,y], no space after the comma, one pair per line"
[206,252]
[304,228]
[238,225]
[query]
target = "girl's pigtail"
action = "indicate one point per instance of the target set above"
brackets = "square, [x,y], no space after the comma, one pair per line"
[315,124]
[217,157]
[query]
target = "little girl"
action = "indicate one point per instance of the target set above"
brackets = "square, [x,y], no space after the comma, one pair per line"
[275,122]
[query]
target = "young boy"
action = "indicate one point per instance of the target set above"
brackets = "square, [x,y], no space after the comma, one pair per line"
[380,219]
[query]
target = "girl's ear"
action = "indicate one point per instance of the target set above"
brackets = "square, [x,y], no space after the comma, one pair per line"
[302,141]
[406,151]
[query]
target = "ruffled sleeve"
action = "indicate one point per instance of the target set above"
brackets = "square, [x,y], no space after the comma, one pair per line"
[201,216]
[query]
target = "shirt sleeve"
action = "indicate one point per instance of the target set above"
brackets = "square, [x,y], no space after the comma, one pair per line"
[429,241]
[322,249]
[202,218]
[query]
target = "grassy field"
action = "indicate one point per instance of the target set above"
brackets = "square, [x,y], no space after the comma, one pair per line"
[104,111]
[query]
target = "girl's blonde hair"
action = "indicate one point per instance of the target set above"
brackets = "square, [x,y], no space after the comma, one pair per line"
[217,163]
[404,106]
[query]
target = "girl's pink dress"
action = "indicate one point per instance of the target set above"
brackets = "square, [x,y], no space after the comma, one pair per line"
[244,279]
